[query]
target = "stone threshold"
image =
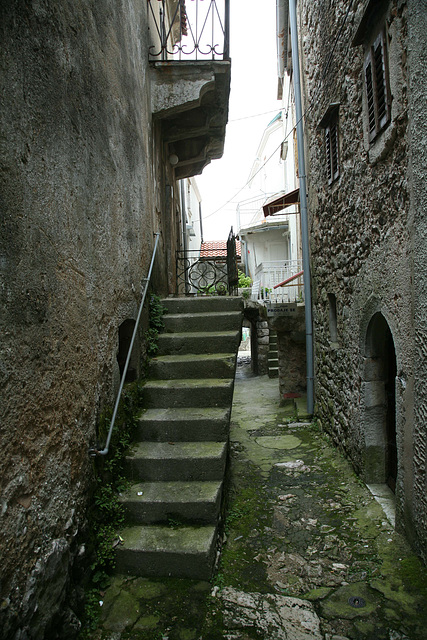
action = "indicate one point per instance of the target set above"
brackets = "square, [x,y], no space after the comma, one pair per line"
[386,499]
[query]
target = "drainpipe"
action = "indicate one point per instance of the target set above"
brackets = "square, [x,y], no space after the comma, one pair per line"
[281,39]
[201,222]
[303,208]
[183,215]
[184,227]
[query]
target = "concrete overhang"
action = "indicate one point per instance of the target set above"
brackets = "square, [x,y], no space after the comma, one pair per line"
[277,225]
[190,99]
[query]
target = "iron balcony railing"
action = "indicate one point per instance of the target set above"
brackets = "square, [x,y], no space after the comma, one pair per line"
[197,275]
[189,29]
[269,274]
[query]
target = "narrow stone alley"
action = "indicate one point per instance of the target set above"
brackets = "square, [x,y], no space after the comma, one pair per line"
[309,553]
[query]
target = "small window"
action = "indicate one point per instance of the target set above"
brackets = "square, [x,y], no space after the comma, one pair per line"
[333,333]
[329,123]
[377,86]
[331,146]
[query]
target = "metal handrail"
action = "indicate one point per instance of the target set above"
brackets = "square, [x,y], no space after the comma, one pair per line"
[93,451]
[285,282]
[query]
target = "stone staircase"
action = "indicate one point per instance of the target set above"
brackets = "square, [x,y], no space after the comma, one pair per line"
[177,465]
[273,355]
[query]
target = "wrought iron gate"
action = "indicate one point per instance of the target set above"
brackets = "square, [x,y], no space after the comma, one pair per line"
[199,272]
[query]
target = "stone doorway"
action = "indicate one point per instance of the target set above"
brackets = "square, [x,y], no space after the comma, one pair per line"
[379,404]
[125,337]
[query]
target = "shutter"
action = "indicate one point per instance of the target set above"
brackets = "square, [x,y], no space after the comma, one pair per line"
[380,81]
[370,100]
[331,147]
[377,88]
[334,150]
[328,154]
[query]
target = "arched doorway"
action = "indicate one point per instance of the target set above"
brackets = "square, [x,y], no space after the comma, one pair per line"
[379,398]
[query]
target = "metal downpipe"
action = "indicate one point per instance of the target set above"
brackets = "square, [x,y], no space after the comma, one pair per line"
[303,207]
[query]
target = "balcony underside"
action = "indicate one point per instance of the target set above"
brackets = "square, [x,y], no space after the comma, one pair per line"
[190,98]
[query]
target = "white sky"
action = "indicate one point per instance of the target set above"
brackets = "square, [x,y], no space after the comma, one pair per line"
[253,91]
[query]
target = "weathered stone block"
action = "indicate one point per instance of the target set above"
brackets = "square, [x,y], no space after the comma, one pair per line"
[373,393]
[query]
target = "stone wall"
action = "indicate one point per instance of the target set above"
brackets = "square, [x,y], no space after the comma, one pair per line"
[291,347]
[81,197]
[416,511]
[262,334]
[362,232]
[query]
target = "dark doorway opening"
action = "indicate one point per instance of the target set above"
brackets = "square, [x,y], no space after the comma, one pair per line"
[125,337]
[380,404]
[390,389]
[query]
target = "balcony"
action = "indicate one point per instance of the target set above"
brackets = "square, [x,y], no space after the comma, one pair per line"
[270,274]
[190,73]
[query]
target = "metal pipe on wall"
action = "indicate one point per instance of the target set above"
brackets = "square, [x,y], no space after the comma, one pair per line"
[303,207]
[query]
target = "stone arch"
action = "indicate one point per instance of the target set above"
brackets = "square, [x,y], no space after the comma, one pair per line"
[379,403]
[125,336]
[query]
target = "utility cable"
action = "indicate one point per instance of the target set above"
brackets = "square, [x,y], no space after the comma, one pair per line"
[255,115]
[309,108]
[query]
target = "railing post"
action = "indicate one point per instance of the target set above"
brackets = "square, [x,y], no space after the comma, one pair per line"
[232,272]
[227,31]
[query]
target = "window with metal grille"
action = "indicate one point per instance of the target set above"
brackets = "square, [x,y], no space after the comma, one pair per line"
[377,86]
[331,147]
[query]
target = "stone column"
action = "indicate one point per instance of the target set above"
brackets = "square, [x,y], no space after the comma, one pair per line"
[263,344]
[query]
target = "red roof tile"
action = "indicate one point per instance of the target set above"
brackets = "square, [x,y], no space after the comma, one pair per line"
[217,249]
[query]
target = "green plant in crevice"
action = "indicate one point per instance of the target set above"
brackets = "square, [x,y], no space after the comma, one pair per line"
[155,325]
[107,515]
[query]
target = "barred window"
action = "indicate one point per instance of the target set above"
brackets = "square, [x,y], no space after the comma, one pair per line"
[377,86]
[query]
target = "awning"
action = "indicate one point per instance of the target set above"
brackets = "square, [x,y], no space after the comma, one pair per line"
[278,203]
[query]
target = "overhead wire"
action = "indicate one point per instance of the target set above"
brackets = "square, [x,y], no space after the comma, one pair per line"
[248,181]
[303,116]
[254,115]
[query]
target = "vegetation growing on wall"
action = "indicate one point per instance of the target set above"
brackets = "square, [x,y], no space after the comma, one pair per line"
[107,516]
[156,324]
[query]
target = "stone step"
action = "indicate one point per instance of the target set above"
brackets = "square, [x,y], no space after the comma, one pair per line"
[272,339]
[210,392]
[218,321]
[273,372]
[203,304]
[183,461]
[203,365]
[162,502]
[198,342]
[184,424]
[156,551]
[177,468]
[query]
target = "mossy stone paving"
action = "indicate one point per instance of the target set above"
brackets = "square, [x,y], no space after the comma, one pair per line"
[299,523]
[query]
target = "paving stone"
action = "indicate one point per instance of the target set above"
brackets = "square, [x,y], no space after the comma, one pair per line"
[280,617]
[302,528]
